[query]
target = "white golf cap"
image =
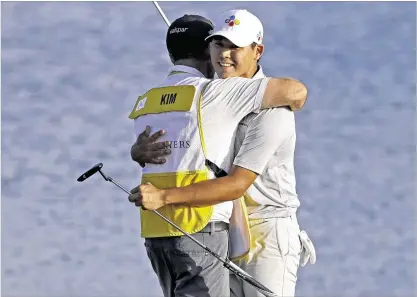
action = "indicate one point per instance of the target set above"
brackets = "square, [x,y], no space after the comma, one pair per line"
[239,26]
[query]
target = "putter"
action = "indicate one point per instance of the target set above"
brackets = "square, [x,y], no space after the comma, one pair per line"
[226,262]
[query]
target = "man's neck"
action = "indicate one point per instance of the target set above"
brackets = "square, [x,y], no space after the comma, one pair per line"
[193,63]
[251,73]
[256,71]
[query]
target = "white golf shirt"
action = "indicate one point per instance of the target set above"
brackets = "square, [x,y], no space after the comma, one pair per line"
[225,102]
[265,144]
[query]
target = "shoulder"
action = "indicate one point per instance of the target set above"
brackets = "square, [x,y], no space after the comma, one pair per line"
[275,114]
[222,87]
[274,119]
[225,82]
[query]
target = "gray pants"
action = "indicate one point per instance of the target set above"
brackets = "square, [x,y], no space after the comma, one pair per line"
[185,269]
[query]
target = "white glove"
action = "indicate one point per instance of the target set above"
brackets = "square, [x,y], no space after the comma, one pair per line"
[307,249]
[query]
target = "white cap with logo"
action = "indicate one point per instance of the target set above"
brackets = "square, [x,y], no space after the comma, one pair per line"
[239,26]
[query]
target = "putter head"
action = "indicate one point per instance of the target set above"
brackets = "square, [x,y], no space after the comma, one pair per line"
[93,170]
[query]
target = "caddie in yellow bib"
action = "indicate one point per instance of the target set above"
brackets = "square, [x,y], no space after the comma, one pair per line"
[184,268]
[178,107]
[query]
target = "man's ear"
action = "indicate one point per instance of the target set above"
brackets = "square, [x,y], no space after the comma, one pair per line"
[259,51]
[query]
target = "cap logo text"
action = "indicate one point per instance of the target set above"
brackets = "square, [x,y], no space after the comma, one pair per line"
[178,30]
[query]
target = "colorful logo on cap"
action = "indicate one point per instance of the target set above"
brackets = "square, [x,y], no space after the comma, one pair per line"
[231,21]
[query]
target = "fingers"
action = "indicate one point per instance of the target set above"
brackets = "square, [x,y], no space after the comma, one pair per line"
[157,157]
[158,161]
[312,251]
[135,195]
[159,145]
[304,260]
[156,135]
[144,134]
[308,249]
[134,190]
[135,198]
[154,153]
[313,258]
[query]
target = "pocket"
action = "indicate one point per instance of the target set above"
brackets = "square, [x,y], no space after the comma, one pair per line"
[294,233]
[295,241]
[283,236]
[185,247]
[256,222]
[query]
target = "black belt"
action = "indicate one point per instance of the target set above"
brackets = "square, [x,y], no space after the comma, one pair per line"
[214,227]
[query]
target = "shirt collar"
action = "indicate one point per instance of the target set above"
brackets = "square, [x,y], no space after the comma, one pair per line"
[259,73]
[186,69]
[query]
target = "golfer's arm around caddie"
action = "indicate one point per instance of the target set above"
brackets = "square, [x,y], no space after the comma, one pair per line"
[197,108]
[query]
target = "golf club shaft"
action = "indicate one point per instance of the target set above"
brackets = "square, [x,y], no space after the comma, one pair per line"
[169,222]
[161,12]
[227,263]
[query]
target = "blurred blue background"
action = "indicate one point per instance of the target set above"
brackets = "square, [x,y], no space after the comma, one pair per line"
[71,72]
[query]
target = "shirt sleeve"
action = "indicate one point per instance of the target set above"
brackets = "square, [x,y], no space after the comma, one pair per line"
[235,96]
[266,132]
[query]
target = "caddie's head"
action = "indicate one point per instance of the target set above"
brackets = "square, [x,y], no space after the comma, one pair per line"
[236,44]
[186,40]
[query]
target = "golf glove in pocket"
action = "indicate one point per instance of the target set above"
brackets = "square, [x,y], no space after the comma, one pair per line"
[307,249]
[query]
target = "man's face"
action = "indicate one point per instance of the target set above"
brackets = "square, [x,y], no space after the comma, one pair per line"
[231,61]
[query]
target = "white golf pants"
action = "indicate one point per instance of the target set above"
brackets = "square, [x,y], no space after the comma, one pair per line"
[273,259]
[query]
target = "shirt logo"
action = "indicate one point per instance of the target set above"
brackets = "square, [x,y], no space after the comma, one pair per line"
[141,104]
[232,21]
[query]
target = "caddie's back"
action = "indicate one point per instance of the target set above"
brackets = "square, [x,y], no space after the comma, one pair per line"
[175,104]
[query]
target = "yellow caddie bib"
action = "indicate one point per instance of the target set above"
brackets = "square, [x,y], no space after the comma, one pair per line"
[177,109]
